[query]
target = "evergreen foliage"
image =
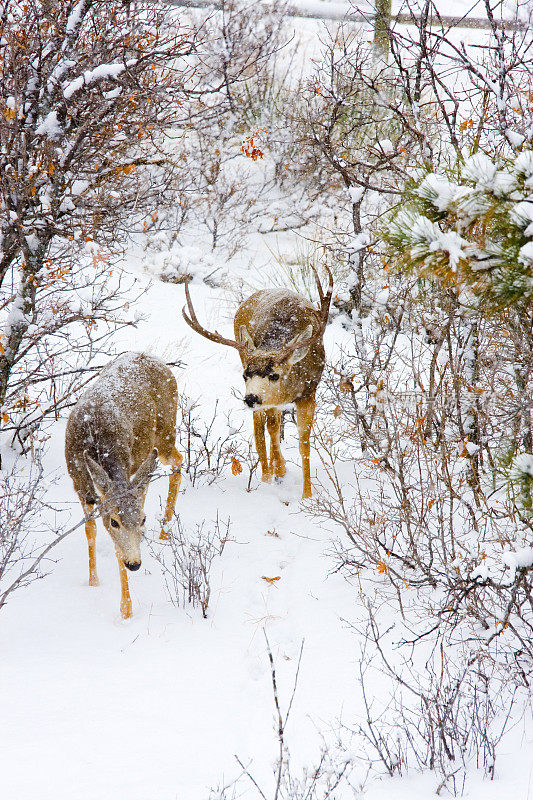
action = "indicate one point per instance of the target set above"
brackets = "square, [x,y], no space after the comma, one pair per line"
[474,233]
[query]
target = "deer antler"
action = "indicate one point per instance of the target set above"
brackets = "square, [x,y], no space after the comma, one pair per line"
[325,299]
[325,302]
[192,321]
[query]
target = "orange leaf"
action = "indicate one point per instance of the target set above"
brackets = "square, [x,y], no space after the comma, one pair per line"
[236,467]
[337,411]
[382,567]
[270,580]
[273,533]
[5,416]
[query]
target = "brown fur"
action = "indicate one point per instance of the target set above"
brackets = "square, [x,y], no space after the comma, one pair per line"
[119,426]
[279,338]
[272,319]
[269,321]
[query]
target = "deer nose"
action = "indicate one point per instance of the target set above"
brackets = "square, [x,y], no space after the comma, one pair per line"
[132,566]
[252,400]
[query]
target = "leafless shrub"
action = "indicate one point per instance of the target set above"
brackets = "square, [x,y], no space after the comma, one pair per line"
[415,422]
[447,717]
[81,306]
[416,512]
[81,127]
[233,64]
[25,539]
[318,782]
[186,560]
[209,447]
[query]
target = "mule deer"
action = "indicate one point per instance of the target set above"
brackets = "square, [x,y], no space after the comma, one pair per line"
[279,338]
[115,433]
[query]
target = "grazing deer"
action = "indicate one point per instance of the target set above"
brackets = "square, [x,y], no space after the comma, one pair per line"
[279,338]
[115,433]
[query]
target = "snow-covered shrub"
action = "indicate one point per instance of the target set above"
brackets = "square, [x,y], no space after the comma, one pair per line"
[20,508]
[182,263]
[475,233]
[440,709]
[468,238]
[78,124]
[27,542]
[226,181]
[413,420]
[350,149]
[79,305]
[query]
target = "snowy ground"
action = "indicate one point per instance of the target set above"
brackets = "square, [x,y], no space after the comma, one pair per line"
[156,707]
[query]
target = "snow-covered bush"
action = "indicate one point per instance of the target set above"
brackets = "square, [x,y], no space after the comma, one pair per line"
[415,419]
[212,444]
[21,501]
[223,184]
[180,263]
[78,124]
[474,233]
[27,541]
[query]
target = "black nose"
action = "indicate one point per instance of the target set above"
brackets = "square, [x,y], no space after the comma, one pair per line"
[133,567]
[252,400]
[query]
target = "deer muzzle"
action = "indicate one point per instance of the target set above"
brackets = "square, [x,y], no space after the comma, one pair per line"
[252,400]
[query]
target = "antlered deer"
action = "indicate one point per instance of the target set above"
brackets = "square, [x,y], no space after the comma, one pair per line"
[115,433]
[279,338]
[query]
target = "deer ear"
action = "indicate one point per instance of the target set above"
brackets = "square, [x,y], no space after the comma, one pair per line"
[99,477]
[145,471]
[245,338]
[300,352]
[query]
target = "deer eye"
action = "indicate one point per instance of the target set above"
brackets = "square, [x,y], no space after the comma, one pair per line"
[273,377]
[144,520]
[114,523]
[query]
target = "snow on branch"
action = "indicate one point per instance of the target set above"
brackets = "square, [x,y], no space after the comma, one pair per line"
[476,232]
[426,241]
[99,73]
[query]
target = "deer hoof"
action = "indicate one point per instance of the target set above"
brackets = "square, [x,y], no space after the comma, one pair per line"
[93,580]
[125,609]
[266,477]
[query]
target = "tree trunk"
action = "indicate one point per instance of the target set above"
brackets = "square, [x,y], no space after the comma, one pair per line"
[382,21]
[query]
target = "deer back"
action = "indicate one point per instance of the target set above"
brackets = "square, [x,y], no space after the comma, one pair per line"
[120,419]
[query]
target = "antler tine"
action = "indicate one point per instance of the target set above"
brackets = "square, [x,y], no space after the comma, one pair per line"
[318,284]
[192,321]
[325,299]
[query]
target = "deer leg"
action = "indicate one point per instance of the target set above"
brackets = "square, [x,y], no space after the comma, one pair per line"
[125,599]
[277,462]
[174,482]
[260,444]
[305,412]
[90,533]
